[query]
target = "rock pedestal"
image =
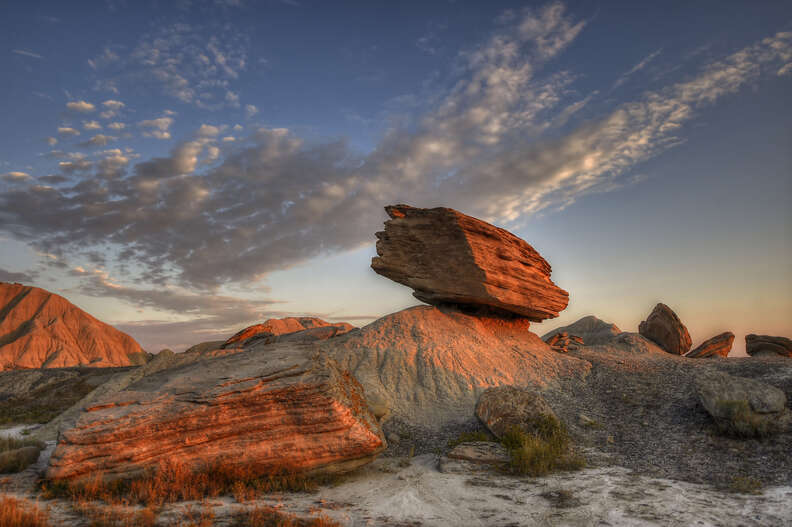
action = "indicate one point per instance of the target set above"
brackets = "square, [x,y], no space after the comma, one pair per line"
[664,328]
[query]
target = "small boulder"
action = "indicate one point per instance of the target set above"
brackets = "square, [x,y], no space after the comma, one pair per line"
[742,407]
[664,328]
[591,329]
[564,342]
[504,407]
[767,345]
[717,346]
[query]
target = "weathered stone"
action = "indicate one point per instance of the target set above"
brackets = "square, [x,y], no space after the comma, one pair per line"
[450,258]
[564,342]
[504,407]
[761,344]
[745,407]
[279,327]
[592,330]
[481,452]
[275,407]
[717,346]
[39,329]
[664,328]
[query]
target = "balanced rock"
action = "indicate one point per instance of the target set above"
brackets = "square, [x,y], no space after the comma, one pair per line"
[744,407]
[450,258]
[276,327]
[664,328]
[717,346]
[592,330]
[39,329]
[505,407]
[272,408]
[765,344]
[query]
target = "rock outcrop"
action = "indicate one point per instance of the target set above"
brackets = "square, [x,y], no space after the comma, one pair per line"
[717,346]
[450,258]
[276,327]
[271,408]
[765,344]
[564,342]
[664,327]
[506,407]
[429,365]
[592,330]
[39,329]
[743,407]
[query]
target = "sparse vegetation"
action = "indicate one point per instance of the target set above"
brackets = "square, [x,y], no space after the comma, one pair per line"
[746,485]
[738,420]
[17,454]
[18,513]
[43,404]
[561,498]
[271,517]
[470,437]
[546,449]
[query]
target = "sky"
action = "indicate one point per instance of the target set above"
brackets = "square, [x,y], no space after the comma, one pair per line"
[184,169]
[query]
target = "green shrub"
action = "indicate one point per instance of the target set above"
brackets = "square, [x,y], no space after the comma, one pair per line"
[470,437]
[542,451]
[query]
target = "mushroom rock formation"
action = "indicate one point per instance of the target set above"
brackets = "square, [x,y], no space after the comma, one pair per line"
[717,346]
[39,329]
[765,344]
[663,327]
[283,326]
[592,330]
[450,258]
[273,408]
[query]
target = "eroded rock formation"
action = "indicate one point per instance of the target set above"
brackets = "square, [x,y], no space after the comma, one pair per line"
[717,346]
[765,344]
[505,407]
[39,329]
[564,342]
[450,258]
[664,327]
[274,407]
[276,327]
[592,330]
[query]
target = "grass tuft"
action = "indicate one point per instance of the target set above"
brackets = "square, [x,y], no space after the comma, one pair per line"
[544,450]
[18,454]
[18,513]
[470,437]
[746,485]
[271,517]
[740,421]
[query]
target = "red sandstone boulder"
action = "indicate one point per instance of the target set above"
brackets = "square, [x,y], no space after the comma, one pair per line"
[450,258]
[765,344]
[39,329]
[717,346]
[665,329]
[272,408]
[275,327]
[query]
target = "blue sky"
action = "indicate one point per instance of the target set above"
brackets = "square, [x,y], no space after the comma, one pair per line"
[182,169]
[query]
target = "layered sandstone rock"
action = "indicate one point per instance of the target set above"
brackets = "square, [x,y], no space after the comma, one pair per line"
[271,408]
[592,330]
[450,258]
[39,329]
[664,327]
[507,407]
[276,327]
[765,344]
[564,342]
[717,346]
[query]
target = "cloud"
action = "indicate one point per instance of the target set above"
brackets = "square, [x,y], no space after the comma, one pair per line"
[505,142]
[66,130]
[250,110]
[11,276]
[638,67]
[116,126]
[26,53]
[16,176]
[207,130]
[52,141]
[157,128]
[80,106]
[92,125]
[97,140]
[113,104]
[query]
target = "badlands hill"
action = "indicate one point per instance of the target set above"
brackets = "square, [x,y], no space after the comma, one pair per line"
[39,329]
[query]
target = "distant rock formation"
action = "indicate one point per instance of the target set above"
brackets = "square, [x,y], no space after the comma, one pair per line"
[664,327]
[592,330]
[271,408]
[39,329]
[564,342]
[717,346]
[765,344]
[275,327]
[430,364]
[450,258]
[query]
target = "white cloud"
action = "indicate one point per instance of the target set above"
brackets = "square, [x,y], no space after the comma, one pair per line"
[52,141]
[16,176]
[638,67]
[27,53]
[80,106]
[250,110]
[98,140]
[157,128]
[67,130]
[92,125]
[113,104]
[116,126]
[229,139]
[207,130]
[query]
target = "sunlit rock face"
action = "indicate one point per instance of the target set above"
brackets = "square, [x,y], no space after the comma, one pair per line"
[767,345]
[663,327]
[450,258]
[592,330]
[717,346]
[276,327]
[274,407]
[39,329]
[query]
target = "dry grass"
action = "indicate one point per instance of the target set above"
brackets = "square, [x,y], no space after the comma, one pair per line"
[17,454]
[547,449]
[746,485]
[18,513]
[470,437]
[741,421]
[271,517]
[41,405]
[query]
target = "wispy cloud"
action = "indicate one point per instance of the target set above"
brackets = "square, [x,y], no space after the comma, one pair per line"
[638,67]
[157,128]
[26,53]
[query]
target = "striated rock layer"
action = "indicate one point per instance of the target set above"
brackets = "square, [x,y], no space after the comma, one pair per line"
[664,327]
[450,258]
[717,346]
[39,329]
[765,344]
[275,407]
[275,327]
